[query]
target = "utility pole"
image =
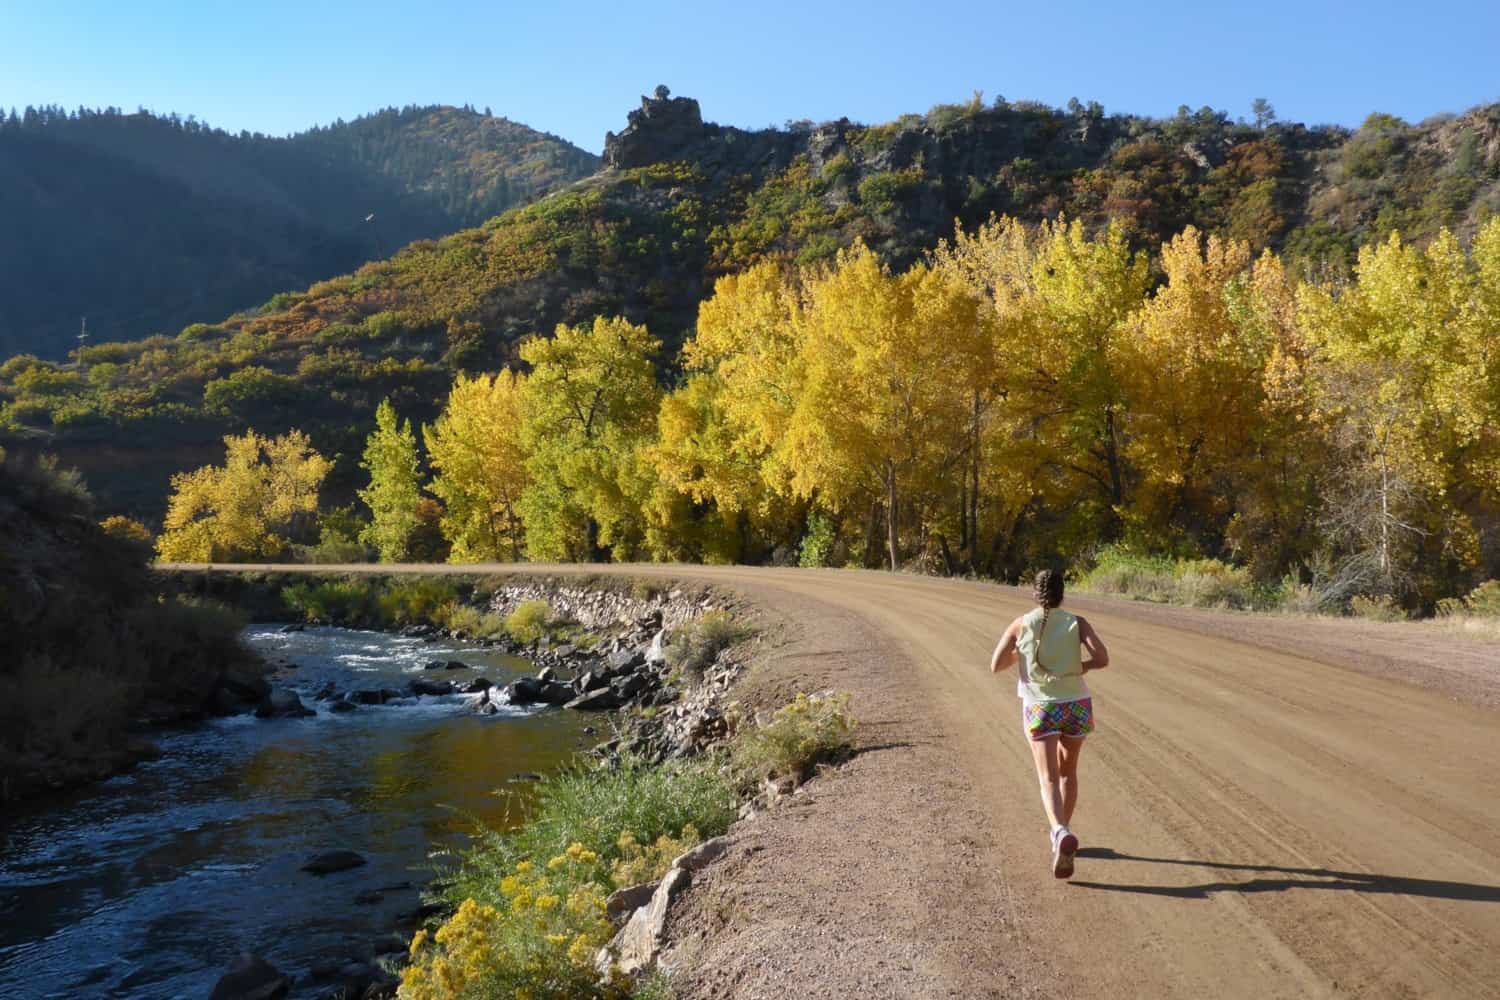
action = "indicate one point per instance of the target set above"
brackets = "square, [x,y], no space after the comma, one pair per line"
[83,336]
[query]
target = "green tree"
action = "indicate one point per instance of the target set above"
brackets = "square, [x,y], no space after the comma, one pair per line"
[393,494]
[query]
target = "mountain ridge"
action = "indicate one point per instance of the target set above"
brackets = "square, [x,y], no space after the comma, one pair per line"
[146,223]
[688,201]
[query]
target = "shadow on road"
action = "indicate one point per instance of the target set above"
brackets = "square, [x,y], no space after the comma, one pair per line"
[1291,878]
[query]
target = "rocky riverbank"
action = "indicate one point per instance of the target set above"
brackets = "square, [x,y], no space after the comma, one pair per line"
[659,659]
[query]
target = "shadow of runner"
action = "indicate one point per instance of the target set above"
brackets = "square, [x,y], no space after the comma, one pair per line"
[1295,878]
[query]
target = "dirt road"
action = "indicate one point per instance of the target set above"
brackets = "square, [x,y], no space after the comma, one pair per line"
[1255,823]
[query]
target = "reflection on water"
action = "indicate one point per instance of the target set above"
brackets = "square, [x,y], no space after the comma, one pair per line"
[149,884]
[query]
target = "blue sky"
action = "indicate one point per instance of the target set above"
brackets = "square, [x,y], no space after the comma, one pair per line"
[576,68]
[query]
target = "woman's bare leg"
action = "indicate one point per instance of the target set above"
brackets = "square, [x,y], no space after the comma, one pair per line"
[1067,769]
[1044,755]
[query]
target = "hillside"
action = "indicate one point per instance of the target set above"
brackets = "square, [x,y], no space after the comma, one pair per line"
[145,223]
[683,201]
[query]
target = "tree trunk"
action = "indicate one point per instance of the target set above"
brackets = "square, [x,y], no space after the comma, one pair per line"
[890,518]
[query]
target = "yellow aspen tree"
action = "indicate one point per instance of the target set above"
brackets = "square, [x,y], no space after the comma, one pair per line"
[251,507]
[880,407]
[1051,444]
[590,401]
[1394,383]
[1192,387]
[1273,524]
[475,450]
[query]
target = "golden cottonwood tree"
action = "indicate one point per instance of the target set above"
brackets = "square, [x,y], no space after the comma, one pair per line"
[1192,383]
[591,400]
[248,509]
[480,464]
[717,434]
[1052,445]
[881,412]
[1398,384]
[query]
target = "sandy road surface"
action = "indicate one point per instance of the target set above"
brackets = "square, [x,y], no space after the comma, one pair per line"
[1255,823]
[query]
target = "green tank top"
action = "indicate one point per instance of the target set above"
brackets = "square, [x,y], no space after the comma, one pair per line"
[1051,658]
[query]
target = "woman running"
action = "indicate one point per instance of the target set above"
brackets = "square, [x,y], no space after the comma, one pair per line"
[1056,711]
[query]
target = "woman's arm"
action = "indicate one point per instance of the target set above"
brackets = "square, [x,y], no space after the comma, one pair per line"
[1005,653]
[1093,645]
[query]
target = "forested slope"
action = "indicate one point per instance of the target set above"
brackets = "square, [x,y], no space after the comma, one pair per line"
[684,202]
[144,223]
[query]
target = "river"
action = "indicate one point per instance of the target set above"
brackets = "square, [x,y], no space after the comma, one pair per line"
[149,884]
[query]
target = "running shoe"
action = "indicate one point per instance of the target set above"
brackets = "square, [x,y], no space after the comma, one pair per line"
[1063,849]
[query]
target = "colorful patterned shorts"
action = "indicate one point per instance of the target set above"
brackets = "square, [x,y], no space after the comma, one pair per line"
[1058,718]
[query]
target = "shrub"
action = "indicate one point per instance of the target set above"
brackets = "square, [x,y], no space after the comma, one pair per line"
[595,807]
[1198,583]
[812,729]
[127,530]
[817,544]
[697,644]
[334,547]
[471,621]
[1381,609]
[1298,598]
[648,862]
[538,942]
[407,600]
[347,601]
[528,622]
[1482,602]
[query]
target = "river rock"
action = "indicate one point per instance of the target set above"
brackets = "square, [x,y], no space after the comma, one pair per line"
[625,659]
[639,940]
[601,700]
[251,978]
[656,653]
[326,693]
[333,861]
[477,685]
[287,629]
[282,705]
[591,680]
[226,702]
[697,858]
[246,682]
[342,706]
[455,665]
[435,665]
[524,691]
[623,901]
[423,686]
[564,651]
[628,687]
[367,696]
[546,674]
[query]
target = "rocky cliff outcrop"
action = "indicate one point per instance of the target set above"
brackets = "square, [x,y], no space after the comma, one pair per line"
[665,129]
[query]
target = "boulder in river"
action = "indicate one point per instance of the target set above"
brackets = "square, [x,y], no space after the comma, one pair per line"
[625,659]
[343,706]
[596,701]
[590,680]
[421,685]
[333,861]
[251,978]
[477,685]
[367,696]
[455,665]
[282,705]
